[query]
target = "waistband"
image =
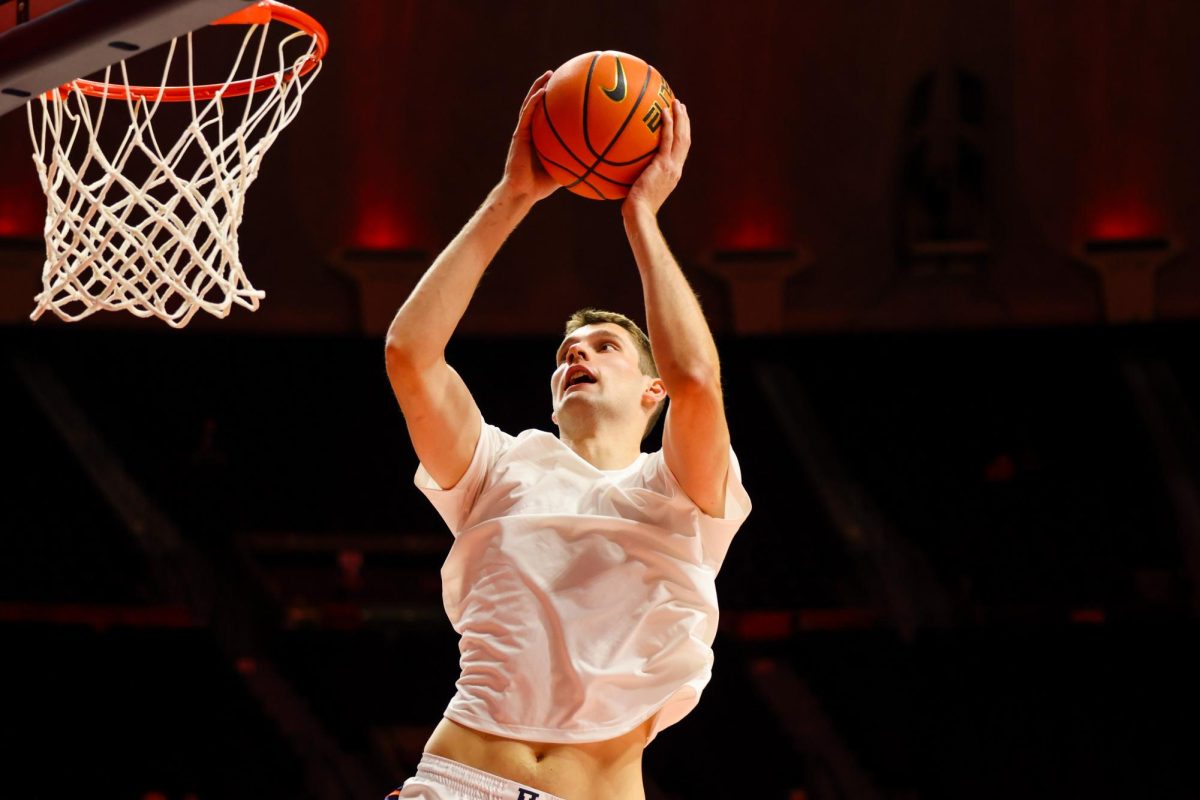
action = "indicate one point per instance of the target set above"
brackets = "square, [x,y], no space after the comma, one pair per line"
[475,783]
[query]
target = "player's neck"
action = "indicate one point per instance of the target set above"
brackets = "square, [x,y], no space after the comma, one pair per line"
[603,449]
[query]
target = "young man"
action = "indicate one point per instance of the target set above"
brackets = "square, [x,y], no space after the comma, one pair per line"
[581,574]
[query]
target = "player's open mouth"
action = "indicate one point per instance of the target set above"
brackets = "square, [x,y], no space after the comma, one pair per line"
[576,377]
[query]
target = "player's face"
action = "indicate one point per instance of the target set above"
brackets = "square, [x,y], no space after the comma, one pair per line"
[597,368]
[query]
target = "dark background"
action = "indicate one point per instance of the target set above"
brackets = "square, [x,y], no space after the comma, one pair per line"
[973,565]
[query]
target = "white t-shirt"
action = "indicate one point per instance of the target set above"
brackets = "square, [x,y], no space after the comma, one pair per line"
[585,598]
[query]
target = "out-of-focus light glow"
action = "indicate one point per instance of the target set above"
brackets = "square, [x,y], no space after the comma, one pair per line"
[754,224]
[381,229]
[1087,616]
[753,234]
[21,218]
[1124,221]
[764,625]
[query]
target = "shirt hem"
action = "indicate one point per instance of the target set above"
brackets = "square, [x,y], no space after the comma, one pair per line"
[553,735]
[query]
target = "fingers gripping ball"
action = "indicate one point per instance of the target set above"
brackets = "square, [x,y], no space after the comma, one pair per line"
[600,123]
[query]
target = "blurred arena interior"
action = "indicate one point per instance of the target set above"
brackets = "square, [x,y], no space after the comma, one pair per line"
[947,252]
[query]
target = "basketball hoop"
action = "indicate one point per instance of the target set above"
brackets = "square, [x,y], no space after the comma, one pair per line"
[163,245]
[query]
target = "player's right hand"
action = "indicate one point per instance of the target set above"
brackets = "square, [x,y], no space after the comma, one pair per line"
[662,174]
[523,173]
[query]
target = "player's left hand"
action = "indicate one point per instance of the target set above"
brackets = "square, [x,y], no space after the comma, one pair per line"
[662,174]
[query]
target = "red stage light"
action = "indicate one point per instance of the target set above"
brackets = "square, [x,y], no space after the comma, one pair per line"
[1120,226]
[21,217]
[1125,218]
[381,229]
[753,234]
[753,225]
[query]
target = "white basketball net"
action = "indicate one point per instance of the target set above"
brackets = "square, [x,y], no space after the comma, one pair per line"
[165,245]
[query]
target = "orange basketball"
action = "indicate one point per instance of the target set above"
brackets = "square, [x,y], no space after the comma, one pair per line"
[600,123]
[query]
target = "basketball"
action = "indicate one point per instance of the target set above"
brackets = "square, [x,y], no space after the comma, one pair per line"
[601,122]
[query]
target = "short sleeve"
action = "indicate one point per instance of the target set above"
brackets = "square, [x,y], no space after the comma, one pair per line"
[717,532]
[454,504]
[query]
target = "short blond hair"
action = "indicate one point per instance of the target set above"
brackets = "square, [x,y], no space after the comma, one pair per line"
[596,316]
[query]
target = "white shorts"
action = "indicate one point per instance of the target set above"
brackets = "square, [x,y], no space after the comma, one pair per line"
[440,778]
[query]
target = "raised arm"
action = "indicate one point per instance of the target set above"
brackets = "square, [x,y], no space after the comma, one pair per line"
[695,434]
[442,418]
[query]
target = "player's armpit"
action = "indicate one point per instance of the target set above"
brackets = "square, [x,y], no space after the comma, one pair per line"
[442,417]
[696,444]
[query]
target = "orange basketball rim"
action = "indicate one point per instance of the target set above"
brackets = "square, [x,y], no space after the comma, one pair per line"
[260,13]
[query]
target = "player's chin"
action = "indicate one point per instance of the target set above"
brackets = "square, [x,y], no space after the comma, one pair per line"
[575,400]
[578,390]
[569,398]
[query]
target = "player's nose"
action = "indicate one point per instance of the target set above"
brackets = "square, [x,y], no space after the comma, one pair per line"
[576,352]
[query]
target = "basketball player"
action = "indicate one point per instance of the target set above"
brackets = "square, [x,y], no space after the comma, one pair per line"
[581,574]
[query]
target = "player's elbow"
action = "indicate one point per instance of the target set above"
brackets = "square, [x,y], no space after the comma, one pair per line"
[698,380]
[396,352]
[406,357]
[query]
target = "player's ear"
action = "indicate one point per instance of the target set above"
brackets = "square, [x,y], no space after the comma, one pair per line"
[554,417]
[655,391]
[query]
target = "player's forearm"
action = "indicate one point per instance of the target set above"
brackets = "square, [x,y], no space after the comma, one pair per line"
[683,345]
[423,326]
